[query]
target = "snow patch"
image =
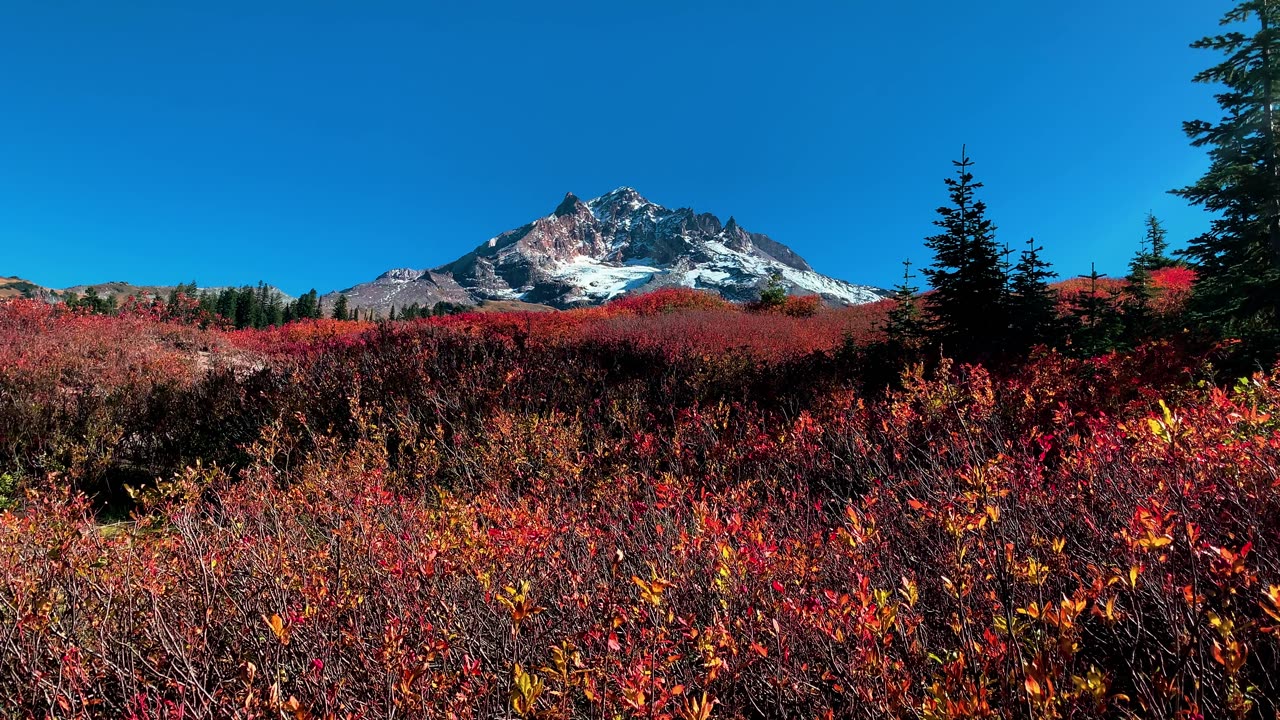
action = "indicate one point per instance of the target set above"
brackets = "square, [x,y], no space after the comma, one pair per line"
[598,280]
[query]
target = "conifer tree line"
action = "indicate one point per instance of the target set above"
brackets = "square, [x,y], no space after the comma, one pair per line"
[253,306]
[249,306]
[983,307]
[91,301]
[417,311]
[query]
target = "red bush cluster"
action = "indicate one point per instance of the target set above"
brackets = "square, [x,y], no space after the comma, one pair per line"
[1171,289]
[639,513]
[77,389]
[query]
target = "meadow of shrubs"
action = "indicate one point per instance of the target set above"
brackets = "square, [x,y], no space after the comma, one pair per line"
[668,507]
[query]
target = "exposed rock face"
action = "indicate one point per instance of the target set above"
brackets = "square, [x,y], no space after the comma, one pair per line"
[590,252]
[401,288]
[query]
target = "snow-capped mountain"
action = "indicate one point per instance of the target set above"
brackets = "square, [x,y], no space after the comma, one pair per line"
[586,253]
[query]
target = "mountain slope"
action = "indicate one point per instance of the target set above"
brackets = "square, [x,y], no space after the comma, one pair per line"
[15,287]
[586,253]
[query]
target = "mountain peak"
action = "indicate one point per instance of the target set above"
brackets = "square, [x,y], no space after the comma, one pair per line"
[401,275]
[617,244]
[624,195]
[568,206]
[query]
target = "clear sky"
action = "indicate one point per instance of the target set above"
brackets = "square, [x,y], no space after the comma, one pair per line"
[317,144]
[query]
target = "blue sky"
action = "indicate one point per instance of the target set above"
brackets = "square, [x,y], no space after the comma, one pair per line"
[317,144]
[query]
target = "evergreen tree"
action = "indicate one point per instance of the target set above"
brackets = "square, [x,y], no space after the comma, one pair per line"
[774,294]
[180,291]
[226,305]
[1139,291]
[308,305]
[182,303]
[1033,305]
[1157,244]
[967,311]
[1238,260]
[274,311]
[904,325]
[91,301]
[1097,324]
[259,317]
[340,311]
[208,303]
[443,308]
[246,301]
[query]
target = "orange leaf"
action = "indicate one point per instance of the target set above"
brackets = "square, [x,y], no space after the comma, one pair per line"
[1033,687]
[276,623]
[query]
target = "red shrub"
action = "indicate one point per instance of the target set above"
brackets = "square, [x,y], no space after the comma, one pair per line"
[802,306]
[498,516]
[667,300]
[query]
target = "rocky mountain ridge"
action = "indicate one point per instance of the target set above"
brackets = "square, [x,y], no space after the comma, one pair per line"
[590,252]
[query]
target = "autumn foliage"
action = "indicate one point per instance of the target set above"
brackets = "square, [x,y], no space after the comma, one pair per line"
[666,508]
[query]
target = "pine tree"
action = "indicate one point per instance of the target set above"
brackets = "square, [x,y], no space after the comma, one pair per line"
[340,311]
[246,302]
[1139,292]
[208,303]
[1033,304]
[91,301]
[307,305]
[180,291]
[1157,242]
[260,318]
[1006,267]
[227,305]
[904,325]
[968,311]
[300,307]
[443,308]
[774,294]
[1097,324]
[1238,260]
[275,309]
